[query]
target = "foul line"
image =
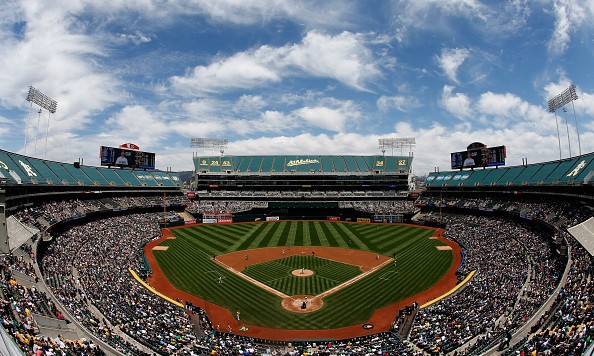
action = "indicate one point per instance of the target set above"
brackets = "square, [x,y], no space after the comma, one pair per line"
[258,283]
[351,281]
[452,291]
[322,295]
[151,289]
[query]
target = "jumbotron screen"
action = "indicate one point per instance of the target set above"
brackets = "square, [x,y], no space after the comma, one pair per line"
[121,157]
[479,157]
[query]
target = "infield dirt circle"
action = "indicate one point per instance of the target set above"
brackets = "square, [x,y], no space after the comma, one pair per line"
[302,272]
[294,303]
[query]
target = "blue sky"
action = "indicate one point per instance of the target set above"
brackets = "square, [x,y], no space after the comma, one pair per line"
[296,77]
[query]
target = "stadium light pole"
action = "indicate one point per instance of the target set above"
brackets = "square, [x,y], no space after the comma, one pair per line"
[567,126]
[558,102]
[46,134]
[37,131]
[558,134]
[577,129]
[34,96]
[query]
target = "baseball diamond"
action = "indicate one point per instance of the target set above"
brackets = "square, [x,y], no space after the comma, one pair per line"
[259,263]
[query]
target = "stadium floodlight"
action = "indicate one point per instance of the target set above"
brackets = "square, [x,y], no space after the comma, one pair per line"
[396,143]
[36,97]
[44,101]
[210,143]
[567,96]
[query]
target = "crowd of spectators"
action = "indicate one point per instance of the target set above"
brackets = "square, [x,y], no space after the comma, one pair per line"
[50,212]
[568,326]
[224,206]
[561,213]
[221,343]
[256,194]
[381,207]
[500,297]
[89,265]
[18,306]
[87,268]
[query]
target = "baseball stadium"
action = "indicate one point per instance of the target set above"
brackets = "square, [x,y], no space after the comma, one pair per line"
[296,254]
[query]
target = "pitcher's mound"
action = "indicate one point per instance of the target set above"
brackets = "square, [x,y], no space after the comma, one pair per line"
[295,303]
[302,272]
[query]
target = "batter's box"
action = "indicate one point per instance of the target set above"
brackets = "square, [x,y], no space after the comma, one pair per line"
[388,275]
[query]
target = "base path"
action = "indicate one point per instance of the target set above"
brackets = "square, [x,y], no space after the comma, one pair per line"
[381,319]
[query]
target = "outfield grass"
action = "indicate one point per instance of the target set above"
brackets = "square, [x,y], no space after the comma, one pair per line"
[188,265]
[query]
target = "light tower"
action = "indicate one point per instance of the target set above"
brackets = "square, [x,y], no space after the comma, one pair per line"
[397,143]
[44,102]
[566,97]
[210,143]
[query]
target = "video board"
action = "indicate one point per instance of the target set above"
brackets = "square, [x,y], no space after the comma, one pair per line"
[479,157]
[120,157]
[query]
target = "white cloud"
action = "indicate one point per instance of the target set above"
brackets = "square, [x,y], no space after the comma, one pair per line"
[138,125]
[436,142]
[457,104]
[269,121]
[249,103]
[323,117]
[5,126]
[570,15]
[244,70]
[450,60]
[398,102]
[328,118]
[489,19]
[51,51]
[245,12]
[137,37]
[561,35]
[307,143]
[505,110]
[343,57]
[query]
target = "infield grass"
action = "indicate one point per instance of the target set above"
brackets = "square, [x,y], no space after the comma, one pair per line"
[327,274]
[188,265]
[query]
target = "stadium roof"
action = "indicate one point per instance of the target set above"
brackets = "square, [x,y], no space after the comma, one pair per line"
[304,163]
[584,233]
[569,171]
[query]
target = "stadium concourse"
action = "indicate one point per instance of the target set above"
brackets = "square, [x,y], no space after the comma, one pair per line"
[67,288]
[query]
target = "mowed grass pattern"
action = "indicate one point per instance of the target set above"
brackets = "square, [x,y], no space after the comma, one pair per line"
[188,265]
[327,274]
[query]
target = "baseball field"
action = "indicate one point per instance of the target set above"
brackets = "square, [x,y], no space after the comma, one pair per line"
[354,270]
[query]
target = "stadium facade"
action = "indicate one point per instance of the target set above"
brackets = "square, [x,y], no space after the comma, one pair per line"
[303,173]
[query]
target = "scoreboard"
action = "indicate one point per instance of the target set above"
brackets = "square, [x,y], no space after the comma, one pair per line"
[479,157]
[121,157]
